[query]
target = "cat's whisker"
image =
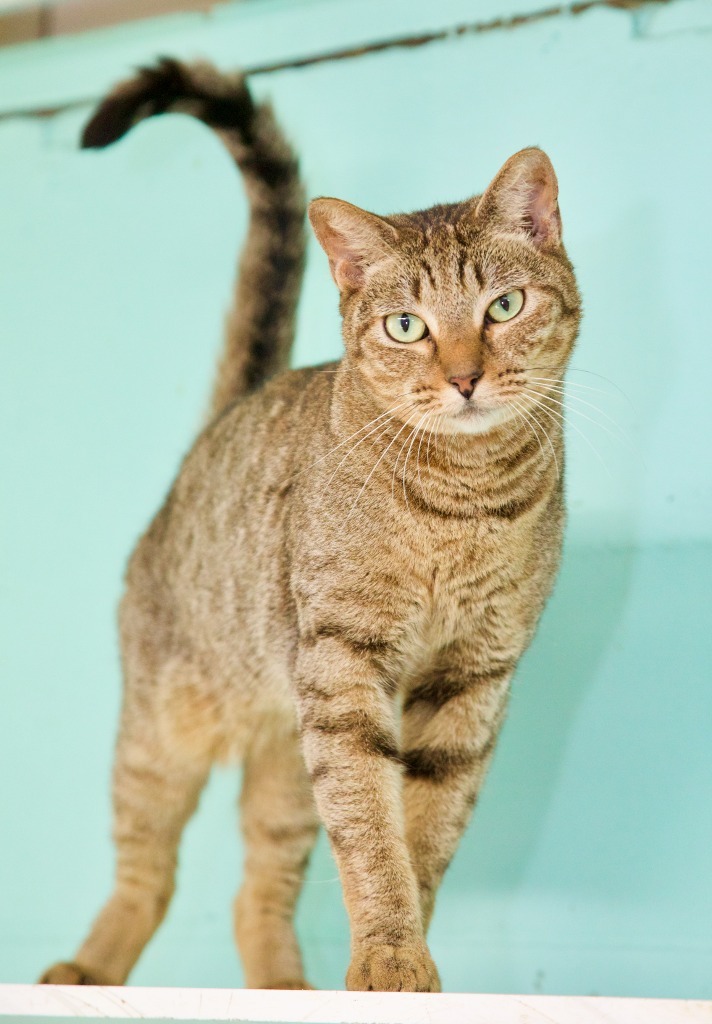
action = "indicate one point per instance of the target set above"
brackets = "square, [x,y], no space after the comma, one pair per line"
[417,457]
[407,454]
[365,438]
[561,392]
[517,408]
[350,438]
[437,433]
[564,420]
[618,435]
[562,382]
[547,435]
[526,425]
[446,437]
[342,443]
[381,430]
[395,465]
[530,418]
[338,368]
[565,386]
[593,373]
[570,388]
[380,459]
[430,436]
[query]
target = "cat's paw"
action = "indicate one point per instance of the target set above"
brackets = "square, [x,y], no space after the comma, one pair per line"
[393,969]
[297,984]
[68,974]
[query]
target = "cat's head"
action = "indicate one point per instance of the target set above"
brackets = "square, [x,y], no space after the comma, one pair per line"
[462,310]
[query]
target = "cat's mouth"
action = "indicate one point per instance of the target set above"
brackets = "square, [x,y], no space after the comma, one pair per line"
[473,408]
[475,417]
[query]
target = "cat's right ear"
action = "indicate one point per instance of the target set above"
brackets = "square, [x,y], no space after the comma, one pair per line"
[353,239]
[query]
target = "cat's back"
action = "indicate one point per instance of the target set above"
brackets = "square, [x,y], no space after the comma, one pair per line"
[214,553]
[251,446]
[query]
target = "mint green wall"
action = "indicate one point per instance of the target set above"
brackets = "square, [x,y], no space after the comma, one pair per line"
[587,868]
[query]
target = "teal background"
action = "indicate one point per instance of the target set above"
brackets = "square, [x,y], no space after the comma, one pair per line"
[587,868]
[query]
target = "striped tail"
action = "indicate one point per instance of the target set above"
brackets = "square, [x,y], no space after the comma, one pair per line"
[260,327]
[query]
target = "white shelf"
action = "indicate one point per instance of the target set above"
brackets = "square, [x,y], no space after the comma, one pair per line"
[341,1007]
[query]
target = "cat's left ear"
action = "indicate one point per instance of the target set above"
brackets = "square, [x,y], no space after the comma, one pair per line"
[523,198]
[353,239]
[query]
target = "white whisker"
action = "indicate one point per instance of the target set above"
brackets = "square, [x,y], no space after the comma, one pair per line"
[355,446]
[567,384]
[430,436]
[564,420]
[395,464]
[417,457]
[592,373]
[380,459]
[622,434]
[350,438]
[518,409]
[534,422]
[407,454]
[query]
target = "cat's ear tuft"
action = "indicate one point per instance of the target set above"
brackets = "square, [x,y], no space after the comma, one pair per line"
[523,198]
[353,239]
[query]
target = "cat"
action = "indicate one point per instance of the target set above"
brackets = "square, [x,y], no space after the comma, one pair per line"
[352,558]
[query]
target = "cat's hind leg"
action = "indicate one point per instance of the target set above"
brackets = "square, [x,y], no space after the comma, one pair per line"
[155,791]
[280,826]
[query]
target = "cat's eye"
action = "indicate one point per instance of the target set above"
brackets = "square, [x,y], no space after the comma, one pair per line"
[405,327]
[506,306]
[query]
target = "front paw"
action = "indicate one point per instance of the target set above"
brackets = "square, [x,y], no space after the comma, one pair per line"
[69,974]
[393,969]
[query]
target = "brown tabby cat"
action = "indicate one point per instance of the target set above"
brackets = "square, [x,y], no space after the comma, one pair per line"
[351,561]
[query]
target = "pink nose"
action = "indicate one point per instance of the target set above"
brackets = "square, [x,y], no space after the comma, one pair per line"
[466,385]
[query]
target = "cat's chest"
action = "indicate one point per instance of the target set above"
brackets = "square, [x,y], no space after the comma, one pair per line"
[417,584]
[476,579]
[463,563]
[461,553]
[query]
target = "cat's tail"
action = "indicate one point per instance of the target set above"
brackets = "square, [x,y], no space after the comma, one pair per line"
[260,326]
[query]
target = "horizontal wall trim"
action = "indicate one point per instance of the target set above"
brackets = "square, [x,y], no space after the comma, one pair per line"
[414,39]
[38,20]
[341,1007]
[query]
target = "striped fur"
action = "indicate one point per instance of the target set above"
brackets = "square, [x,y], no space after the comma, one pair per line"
[340,584]
[260,327]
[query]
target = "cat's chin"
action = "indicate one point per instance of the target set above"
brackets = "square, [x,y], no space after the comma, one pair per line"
[474,420]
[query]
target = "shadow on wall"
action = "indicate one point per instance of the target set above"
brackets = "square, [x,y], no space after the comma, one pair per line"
[553,682]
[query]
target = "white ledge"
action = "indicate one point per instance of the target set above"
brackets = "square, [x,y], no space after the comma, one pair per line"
[341,1007]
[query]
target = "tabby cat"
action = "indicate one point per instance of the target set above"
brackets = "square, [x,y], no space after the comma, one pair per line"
[352,559]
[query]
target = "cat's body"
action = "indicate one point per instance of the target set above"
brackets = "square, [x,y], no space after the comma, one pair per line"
[258,517]
[339,578]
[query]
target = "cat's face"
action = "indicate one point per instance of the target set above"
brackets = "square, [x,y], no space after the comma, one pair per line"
[459,317]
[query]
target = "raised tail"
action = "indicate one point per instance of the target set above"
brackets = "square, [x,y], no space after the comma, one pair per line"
[260,327]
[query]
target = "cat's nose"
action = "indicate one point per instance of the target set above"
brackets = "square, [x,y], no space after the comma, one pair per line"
[466,385]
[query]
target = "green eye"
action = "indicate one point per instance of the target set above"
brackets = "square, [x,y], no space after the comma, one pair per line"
[405,327]
[506,306]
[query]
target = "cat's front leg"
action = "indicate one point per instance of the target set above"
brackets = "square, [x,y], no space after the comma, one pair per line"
[450,725]
[349,739]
